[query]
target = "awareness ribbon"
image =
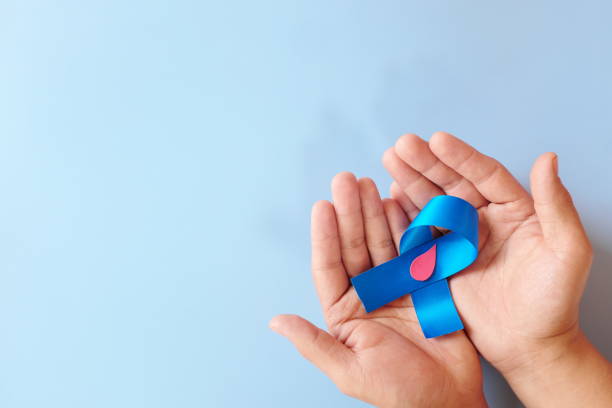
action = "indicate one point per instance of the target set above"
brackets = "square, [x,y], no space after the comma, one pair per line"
[455,251]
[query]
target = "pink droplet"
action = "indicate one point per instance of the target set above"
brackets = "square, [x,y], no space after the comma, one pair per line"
[423,265]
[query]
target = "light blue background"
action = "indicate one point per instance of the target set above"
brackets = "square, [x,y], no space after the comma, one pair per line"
[158,160]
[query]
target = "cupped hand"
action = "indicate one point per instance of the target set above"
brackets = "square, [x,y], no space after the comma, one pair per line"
[380,357]
[522,293]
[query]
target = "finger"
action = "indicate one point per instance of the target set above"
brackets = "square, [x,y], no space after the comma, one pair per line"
[345,192]
[319,347]
[403,200]
[398,222]
[553,204]
[415,152]
[409,208]
[397,219]
[378,236]
[328,271]
[413,184]
[492,180]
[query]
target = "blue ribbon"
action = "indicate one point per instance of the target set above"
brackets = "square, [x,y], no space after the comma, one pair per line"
[456,250]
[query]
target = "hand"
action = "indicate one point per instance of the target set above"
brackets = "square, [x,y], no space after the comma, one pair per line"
[380,357]
[519,300]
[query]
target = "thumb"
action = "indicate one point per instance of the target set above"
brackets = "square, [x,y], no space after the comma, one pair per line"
[316,345]
[559,220]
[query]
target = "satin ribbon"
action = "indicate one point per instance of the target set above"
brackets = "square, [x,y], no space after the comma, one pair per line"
[456,250]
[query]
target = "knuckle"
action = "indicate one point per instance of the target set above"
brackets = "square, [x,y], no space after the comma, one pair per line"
[382,243]
[354,242]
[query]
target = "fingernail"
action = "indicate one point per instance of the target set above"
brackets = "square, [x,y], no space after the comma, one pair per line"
[556,164]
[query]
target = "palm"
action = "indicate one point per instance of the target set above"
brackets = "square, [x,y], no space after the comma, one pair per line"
[393,353]
[517,287]
[517,290]
[380,357]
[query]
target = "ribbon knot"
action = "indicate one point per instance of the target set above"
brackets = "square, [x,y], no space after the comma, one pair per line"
[455,251]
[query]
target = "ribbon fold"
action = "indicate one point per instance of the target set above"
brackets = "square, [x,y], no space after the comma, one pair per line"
[456,250]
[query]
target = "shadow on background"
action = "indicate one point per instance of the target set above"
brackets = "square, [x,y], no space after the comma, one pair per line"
[597,301]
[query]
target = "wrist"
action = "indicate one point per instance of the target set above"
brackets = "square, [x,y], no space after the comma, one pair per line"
[536,356]
[562,371]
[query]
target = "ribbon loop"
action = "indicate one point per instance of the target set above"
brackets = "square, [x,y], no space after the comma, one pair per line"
[455,251]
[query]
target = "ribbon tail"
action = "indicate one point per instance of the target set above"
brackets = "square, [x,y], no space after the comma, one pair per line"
[436,310]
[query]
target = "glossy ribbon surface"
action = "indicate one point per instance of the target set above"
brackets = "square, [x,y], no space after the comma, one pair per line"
[455,251]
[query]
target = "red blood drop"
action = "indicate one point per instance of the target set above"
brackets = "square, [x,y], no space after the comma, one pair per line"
[423,265]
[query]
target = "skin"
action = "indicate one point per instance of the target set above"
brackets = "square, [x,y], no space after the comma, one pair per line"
[379,357]
[519,300]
